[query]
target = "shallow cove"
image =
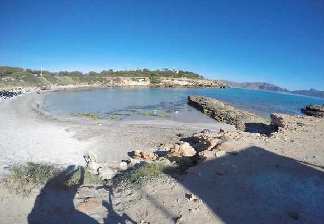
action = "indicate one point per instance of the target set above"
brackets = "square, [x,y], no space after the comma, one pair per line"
[166,103]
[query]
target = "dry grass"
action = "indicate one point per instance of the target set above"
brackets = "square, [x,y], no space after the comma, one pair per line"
[23,178]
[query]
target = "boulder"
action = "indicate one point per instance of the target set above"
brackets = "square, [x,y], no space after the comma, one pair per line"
[279,120]
[314,110]
[184,149]
[204,140]
[187,150]
[319,108]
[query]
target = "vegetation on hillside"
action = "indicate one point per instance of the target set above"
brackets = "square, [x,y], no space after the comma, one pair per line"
[14,76]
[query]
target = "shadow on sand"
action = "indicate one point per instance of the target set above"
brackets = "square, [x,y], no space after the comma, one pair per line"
[257,186]
[55,204]
[251,186]
[114,217]
[261,128]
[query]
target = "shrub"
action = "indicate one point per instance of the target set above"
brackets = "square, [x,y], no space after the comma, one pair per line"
[25,177]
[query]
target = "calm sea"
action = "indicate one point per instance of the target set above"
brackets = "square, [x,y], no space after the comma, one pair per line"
[158,103]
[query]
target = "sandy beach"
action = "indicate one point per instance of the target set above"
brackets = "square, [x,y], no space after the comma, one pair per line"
[28,134]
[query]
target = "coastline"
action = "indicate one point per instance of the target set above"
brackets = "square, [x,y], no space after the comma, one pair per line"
[245,166]
[30,134]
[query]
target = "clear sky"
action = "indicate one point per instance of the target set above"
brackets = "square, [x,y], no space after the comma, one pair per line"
[277,41]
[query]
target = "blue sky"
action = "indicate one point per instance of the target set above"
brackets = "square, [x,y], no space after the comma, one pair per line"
[277,41]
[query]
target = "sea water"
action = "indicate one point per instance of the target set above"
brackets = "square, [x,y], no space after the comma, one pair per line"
[167,103]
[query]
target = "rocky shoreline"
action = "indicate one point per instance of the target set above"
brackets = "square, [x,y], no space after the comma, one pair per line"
[226,113]
[227,162]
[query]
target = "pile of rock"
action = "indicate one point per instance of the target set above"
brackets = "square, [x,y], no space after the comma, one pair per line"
[314,110]
[142,155]
[285,122]
[6,94]
[223,112]
[204,145]
[200,146]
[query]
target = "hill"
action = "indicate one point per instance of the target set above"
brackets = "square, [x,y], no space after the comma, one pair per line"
[272,87]
[310,92]
[15,76]
[256,85]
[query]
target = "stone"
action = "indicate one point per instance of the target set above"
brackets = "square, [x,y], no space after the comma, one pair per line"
[191,197]
[204,140]
[319,108]
[178,219]
[220,153]
[183,150]
[176,147]
[138,154]
[207,155]
[314,110]
[91,163]
[102,170]
[278,120]
[123,165]
[187,150]
[213,143]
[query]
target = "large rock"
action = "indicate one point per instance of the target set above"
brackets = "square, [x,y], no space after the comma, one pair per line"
[184,149]
[226,113]
[314,110]
[285,121]
[204,140]
[102,170]
[279,120]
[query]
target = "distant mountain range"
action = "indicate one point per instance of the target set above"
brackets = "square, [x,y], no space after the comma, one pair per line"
[271,87]
[311,92]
